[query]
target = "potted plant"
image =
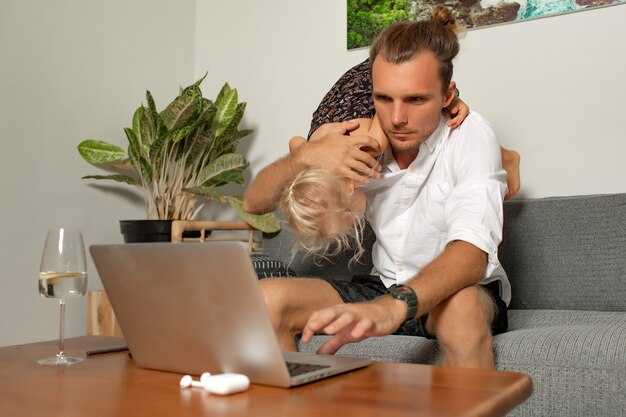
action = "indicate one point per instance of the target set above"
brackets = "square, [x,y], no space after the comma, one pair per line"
[179,157]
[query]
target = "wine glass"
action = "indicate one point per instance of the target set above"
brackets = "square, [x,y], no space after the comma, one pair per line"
[63,275]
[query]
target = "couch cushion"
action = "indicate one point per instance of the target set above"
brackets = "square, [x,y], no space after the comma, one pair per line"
[568,354]
[566,252]
[586,339]
[280,245]
[406,349]
[577,360]
[533,319]
[267,266]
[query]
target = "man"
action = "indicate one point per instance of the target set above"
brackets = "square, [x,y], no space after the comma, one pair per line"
[435,206]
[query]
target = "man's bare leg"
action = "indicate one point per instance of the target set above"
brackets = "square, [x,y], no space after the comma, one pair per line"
[462,324]
[291,301]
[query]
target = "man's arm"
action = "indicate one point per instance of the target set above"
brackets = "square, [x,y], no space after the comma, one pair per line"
[334,151]
[461,263]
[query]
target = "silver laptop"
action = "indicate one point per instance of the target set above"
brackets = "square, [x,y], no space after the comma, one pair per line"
[196,307]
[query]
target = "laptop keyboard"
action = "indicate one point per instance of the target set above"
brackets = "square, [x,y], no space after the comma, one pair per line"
[296,369]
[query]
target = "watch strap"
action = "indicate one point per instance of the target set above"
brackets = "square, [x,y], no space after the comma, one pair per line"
[408,295]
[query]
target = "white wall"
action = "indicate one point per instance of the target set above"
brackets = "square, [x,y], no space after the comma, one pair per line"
[71,70]
[553,88]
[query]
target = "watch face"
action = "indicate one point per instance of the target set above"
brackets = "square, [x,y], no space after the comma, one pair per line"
[406,294]
[404,289]
[401,291]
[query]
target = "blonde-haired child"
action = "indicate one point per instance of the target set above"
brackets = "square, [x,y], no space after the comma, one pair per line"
[325,211]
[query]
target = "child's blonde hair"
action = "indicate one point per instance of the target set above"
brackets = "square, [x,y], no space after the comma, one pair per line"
[318,208]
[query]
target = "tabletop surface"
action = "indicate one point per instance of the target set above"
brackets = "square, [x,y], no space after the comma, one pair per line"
[112,385]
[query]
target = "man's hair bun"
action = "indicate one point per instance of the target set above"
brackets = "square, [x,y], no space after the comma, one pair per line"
[444,16]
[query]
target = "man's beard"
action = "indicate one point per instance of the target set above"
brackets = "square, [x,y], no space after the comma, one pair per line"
[404,145]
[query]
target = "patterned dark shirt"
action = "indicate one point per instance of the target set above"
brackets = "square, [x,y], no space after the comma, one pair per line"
[350,98]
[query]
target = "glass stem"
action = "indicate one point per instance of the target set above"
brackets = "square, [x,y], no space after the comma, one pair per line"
[62,330]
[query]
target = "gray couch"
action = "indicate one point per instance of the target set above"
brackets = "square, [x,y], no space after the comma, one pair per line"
[566,260]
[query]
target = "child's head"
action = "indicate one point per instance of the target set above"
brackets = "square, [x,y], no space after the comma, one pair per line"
[320,209]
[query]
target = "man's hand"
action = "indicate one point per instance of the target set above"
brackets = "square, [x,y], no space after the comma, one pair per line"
[341,154]
[354,322]
[458,112]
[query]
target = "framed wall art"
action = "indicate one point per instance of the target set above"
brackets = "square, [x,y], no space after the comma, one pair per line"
[368,17]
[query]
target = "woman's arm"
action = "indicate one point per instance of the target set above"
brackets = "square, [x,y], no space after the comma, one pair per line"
[333,150]
[367,127]
[458,112]
[371,127]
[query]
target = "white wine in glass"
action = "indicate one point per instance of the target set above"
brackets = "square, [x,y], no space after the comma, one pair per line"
[63,275]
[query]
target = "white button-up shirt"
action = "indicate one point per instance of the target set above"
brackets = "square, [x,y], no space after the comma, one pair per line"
[453,190]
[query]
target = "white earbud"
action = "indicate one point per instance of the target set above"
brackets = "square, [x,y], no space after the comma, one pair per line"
[187,381]
[222,384]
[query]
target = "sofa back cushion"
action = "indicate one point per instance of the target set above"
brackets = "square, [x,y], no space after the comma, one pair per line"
[566,252]
[559,253]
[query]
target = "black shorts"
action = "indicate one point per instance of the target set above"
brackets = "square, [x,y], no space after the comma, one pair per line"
[368,287]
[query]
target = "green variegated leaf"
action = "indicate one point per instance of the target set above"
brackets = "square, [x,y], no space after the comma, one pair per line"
[146,169]
[137,121]
[157,126]
[241,108]
[100,152]
[226,111]
[133,141]
[151,105]
[197,83]
[267,223]
[243,133]
[119,178]
[179,134]
[183,109]
[225,89]
[234,177]
[144,127]
[229,140]
[190,138]
[199,146]
[156,151]
[140,164]
[161,128]
[207,192]
[208,112]
[222,164]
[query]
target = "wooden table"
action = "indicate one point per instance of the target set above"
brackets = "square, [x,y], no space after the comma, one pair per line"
[111,385]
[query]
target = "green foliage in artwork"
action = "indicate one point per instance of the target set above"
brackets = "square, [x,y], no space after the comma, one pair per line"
[368,17]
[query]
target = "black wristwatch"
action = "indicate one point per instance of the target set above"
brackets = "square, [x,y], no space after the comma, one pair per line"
[406,294]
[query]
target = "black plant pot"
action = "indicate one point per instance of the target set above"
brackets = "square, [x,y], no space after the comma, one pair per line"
[136,231]
[146,230]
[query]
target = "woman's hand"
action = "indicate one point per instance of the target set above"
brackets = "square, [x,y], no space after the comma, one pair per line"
[339,153]
[458,112]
